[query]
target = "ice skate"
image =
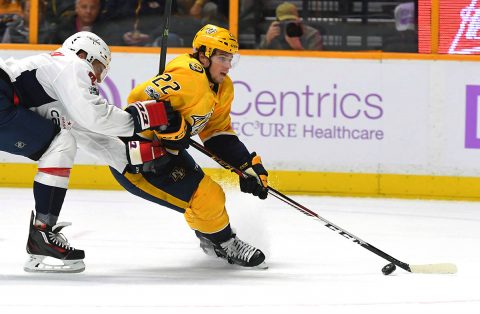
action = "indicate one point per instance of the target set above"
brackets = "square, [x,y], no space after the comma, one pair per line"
[50,251]
[235,251]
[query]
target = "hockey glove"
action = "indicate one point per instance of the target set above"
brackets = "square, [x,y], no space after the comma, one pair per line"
[150,115]
[257,182]
[146,156]
[177,135]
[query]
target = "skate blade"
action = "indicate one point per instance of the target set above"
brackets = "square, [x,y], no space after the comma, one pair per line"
[262,266]
[36,264]
[208,251]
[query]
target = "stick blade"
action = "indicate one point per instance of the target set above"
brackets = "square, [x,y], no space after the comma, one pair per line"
[442,268]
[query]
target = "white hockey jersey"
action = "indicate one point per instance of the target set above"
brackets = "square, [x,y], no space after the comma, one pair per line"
[62,87]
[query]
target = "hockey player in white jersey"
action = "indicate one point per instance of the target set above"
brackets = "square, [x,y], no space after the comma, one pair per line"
[49,106]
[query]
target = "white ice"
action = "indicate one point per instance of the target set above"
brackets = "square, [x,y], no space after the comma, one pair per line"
[142,258]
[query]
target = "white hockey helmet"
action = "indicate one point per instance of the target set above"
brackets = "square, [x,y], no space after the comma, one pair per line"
[93,46]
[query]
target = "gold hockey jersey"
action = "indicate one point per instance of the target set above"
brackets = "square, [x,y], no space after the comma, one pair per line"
[185,85]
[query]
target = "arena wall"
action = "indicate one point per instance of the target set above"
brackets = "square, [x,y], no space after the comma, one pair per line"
[399,125]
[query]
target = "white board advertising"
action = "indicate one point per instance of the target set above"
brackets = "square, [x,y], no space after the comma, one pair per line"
[339,115]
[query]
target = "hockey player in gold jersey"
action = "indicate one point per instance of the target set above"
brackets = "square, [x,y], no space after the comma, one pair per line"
[200,92]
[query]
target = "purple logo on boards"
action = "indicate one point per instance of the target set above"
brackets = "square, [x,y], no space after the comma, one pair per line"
[112,88]
[471,117]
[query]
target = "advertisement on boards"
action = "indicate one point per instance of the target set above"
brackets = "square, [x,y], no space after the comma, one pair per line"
[312,114]
[338,115]
[460,119]
[332,114]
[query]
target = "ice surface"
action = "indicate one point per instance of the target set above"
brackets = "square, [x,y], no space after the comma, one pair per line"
[142,258]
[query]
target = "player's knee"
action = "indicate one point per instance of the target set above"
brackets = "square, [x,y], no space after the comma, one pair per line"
[61,152]
[56,162]
[66,142]
[207,212]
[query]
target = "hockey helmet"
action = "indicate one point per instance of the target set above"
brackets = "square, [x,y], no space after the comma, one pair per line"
[214,37]
[93,46]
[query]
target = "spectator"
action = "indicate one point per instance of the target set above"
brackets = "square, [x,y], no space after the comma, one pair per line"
[210,15]
[123,9]
[138,19]
[10,11]
[18,30]
[183,7]
[182,30]
[56,10]
[251,22]
[86,18]
[288,32]
[198,8]
[10,7]
[406,38]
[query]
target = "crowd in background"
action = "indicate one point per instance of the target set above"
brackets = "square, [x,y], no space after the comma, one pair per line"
[118,22]
[262,24]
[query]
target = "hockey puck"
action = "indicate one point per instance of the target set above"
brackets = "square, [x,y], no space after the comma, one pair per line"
[388,269]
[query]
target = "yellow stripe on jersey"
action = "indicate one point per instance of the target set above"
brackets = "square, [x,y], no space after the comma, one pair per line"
[141,183]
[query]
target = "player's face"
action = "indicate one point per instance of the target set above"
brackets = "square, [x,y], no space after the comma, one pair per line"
[98,68]
[87,10]
[221,63]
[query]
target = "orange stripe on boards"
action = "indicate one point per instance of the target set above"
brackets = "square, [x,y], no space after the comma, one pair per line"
[367,55]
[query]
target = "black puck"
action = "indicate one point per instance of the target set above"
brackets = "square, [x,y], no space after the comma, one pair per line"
[388,269]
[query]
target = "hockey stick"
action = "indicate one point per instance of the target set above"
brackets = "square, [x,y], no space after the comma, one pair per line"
[440,268]
[163,45]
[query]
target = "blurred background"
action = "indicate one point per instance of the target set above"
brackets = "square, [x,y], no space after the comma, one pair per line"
[384,25]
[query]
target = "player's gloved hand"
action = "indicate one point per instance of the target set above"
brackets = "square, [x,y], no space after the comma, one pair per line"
[257,182]
[150,115]
[146,156]
[177,135]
